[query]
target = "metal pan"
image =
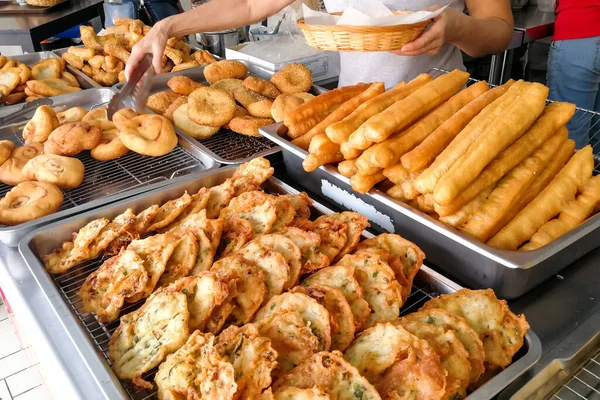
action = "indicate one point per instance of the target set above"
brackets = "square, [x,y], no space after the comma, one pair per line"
[85,81]
[509,273]
[91,338]
[105,181]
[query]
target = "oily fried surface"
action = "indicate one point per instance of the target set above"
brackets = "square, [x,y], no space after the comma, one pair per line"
[301,203]
[355,225]
[196,371]
[181,261]
[273,265]
[252,358]
[332,374]
[220,196]
[294,393]
[169,211]
[501,331]
[467,336]
[333,235]
[289,251]
[146,336]
[257,171]
[285,213]
[236,233]
[395,264]
[257,207]
[308,243]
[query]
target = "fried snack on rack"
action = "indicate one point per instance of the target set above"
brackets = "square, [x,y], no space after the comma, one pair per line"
[196,369]
[484,223]
[292,79]
[114,49]
[9,80]
[458,218]
[229,85]
[97,117]
[6,149]
[569,218]
[46,69]
[51,87]
[28,201]
[289,251]
[73,60]
[355,225]
[253,174]
[347,168]
[257,207]
[304,117]
[39,127]
[150,135]
[308,244]
[333,234]
[181,261]
[72,138]
[174,55]
[322,151]
[182,85]
[74,114]
[182,121]
[225,69]
[146,336]
[168,114]
[212,107]
[273,265]
[501,331]
[159,102]
[169,211]
[549,203]
[283,104]
[330,373]
[363,183]
[262,87]
[11,169]
[110,147]
[260,109]
[248,125]
[64,172]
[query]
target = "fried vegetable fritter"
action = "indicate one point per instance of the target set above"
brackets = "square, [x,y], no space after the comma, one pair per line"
[273,265]
[257,207]
[308,243]
[355,225]
[289,251]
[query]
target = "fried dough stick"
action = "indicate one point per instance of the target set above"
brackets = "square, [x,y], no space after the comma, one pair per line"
[390,151]
[405,112]
[459,146]
[342,112]
[484,223]
[554,116]
[458,218]
[519,117]
[396,174]
[321,151]
[363,183]
[347,168]
[573,214]
[548,203]
[304,117]
[424,154]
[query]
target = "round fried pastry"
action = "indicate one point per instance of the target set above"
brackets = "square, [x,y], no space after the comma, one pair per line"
[64,172]
[239,112]
[97,117]
[248,125]
[38,129]
[122,116]
[151,135]
[72,138]
[183,85]
[159,102]
[174,106]
[208,106]
[6,149]
[110,147]
[225,69]
[261,109]
[28,201]
[261,86]
[228,85]
[11,170]
[283,104]
[182,121]
[74,114]
[293,78]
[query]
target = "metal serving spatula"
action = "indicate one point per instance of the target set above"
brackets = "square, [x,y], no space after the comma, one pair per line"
[136,90]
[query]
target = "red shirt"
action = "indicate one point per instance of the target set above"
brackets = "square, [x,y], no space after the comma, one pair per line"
[577,19]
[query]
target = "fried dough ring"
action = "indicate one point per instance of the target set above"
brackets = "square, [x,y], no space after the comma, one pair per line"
[209,106]
[42,124]
[159,102]
[6,149]
[72,138]
[174,106]
[284,104]
[11,169]
[122,116]
[110,147]
[182,121]
[183,85]
[225,69]
[229,85]
[151,135]
[64,172]
[28,201]
[98,118]
[292,79]
[249,125]
[261,86]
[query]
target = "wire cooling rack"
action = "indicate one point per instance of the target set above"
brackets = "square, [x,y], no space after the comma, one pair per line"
[232,148]
[583,385]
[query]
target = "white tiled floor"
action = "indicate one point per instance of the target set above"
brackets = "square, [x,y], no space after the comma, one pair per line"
[20,378]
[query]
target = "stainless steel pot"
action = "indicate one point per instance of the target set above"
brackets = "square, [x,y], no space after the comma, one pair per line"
[217,42]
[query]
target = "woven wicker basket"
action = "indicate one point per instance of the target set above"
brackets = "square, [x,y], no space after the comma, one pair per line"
[42,3]
[360,38]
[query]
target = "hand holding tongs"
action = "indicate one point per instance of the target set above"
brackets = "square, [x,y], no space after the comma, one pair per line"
[136,90]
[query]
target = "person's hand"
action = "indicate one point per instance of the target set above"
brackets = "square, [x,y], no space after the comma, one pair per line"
[153,43]
[438,34]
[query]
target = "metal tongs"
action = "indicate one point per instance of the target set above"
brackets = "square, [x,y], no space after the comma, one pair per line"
[136,90]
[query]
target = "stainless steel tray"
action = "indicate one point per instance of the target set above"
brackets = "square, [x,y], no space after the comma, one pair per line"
[477,265]
[91,337]
[105,181]
[85,81]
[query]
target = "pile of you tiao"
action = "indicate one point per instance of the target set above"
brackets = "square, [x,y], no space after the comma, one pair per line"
[46,163]
[496,164]
[246,297]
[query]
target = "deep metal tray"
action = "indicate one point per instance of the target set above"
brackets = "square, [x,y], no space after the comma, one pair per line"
[105,181]
[509,273]
[91,338]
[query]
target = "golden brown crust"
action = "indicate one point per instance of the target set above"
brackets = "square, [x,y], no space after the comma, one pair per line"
[261,86]
[293,78]
[248,125]
[72,138]
[225,69]
[11,169]
[28,201]
[209,106]
[64,172]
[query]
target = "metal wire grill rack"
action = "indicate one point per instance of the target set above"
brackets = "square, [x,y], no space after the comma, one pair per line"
[70,283]
[583,385]
[231,147]
[103,178]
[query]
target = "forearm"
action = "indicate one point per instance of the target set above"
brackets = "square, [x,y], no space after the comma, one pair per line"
[217,15]
[478,37]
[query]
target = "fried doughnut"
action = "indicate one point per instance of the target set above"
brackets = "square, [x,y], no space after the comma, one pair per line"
[122,116]
[74,114]
[64,172]
[6,148]
[209,106]
[151,135]
[246,97]
[248,125]
[97,117]
[159,102]
[72,138]
[11,169]
[293,78]
[183,85]
[174,106]
[28,201]
[225,69]
[38,129]
[182,121]
[46,69]
[74,60]
[284,104]
[261,86]
[114,49]
[239,112]
[15,97]
[70,79]
[228,85]
[110,147]
[203,57]
[51,87]
[261,109]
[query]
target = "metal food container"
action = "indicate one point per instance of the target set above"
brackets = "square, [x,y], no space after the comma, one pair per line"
[92,338]
[105,181]
[477,265]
